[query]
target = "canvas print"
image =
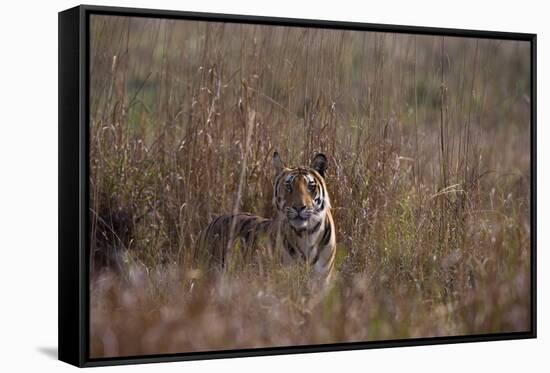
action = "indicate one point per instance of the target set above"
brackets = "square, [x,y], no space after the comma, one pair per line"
[257,186]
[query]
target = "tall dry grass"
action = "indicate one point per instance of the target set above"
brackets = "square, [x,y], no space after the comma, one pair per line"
[428,144]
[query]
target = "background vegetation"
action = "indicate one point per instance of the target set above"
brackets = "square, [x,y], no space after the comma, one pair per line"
[429,175]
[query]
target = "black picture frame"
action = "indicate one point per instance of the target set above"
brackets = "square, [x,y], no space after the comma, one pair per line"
[73,251]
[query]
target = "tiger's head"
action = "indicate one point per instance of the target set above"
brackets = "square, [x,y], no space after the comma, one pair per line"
[299,193]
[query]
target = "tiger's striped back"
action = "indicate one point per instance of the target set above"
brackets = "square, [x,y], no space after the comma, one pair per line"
[222,233]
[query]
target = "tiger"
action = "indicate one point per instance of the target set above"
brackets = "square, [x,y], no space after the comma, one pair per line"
[302,230]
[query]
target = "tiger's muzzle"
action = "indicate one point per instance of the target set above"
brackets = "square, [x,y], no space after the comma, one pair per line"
[300,216]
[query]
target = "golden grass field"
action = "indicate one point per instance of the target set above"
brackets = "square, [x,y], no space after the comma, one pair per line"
[429,175]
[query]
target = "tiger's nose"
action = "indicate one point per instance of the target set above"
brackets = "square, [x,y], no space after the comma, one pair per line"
[299,208]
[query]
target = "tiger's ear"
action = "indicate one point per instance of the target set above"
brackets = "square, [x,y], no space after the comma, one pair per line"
[277,162]
[319,164]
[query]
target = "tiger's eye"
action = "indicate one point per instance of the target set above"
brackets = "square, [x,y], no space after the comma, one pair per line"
[311,187]
[288,188]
